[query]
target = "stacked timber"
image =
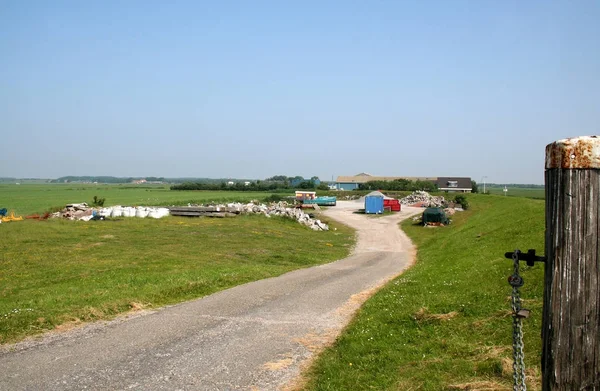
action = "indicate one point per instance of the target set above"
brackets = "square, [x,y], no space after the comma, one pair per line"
[206,211]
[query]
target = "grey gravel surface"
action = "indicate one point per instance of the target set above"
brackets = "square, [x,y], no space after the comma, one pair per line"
[256,336]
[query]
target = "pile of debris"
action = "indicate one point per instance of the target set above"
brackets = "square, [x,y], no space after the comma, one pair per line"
[282,209]
[75,212]
[84,212]
[423,199]
[274,209]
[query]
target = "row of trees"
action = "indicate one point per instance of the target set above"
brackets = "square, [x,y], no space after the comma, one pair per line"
[252,186]
[105,179]
[399,185]
[277,182]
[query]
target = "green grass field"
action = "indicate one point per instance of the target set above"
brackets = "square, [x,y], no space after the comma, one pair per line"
[59,272]
[36,198]
[534,192]
[445,324]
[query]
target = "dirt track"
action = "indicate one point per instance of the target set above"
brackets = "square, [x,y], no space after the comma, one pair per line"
[252,337]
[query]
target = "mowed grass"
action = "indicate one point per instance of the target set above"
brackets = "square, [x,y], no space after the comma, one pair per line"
[37,198]
[445,324]
[527,192]
[59,272]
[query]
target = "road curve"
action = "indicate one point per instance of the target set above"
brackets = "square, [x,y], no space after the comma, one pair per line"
[255,336]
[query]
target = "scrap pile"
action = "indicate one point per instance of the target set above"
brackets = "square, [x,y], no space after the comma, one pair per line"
[84,212]
[274,209]
[423,199]
[75,212]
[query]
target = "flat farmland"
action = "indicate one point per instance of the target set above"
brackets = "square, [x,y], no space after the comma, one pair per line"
[36,198]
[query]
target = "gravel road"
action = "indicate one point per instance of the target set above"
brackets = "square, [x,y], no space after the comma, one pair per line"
[255,336]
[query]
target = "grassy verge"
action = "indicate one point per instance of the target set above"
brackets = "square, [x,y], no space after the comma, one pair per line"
[59,272]
[534,192]
[445,324]
[36,198]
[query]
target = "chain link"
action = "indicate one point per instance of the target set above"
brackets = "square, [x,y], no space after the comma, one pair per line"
[516,281]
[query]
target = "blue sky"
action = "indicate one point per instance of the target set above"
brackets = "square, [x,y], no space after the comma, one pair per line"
[251,89]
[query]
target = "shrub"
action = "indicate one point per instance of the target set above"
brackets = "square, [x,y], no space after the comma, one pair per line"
[462,200]
[98,201]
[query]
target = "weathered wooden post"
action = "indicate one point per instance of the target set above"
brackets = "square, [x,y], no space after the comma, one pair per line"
[571,319]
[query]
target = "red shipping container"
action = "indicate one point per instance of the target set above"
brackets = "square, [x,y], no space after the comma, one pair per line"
[393,204]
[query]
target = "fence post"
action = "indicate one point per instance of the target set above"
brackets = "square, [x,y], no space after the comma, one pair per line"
[571,318]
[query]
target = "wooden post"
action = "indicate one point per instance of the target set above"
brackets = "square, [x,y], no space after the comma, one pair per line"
[571,319]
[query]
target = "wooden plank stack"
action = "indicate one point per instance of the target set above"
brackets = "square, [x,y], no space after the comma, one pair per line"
[205,211]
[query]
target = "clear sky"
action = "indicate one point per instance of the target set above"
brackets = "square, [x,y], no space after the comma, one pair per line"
[251,89]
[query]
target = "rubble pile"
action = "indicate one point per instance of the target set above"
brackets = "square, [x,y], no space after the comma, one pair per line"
[281,209]
[424,199]
[75,212]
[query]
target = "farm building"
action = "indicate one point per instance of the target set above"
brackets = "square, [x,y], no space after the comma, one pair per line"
[455,184]
[458,184]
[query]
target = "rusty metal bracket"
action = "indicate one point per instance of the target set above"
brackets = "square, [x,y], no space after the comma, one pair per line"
[529,257]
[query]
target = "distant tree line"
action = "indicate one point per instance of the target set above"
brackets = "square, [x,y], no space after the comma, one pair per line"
[237,186]
[399,185]
[117,180]
[252,186]
[105,179]
[277,182]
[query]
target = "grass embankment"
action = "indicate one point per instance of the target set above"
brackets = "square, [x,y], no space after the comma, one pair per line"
[32,198]
[60,272]
[445,324]
[527,192]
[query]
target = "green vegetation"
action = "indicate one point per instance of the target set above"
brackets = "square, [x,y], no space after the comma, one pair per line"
[237,186]
[59,272]
[112,180]
[98,201]
[399,185]
[445,323]
[537,192]
[26,199]
[462,200]
[278,182]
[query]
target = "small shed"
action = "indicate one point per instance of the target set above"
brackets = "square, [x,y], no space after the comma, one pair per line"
[373,203]
[435,215]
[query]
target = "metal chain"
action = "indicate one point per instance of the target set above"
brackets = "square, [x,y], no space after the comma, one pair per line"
[516,281]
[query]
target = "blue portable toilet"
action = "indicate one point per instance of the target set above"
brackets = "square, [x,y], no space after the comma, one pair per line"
[374,203]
